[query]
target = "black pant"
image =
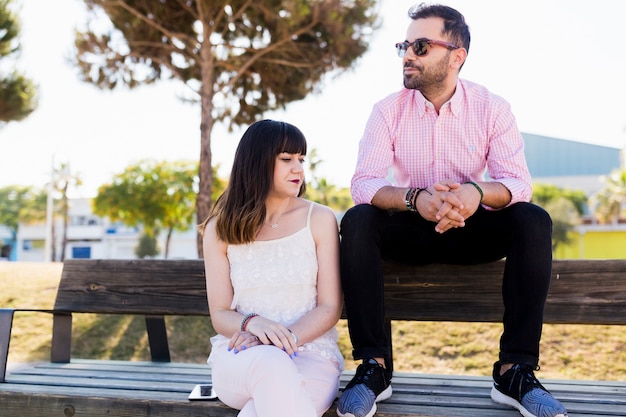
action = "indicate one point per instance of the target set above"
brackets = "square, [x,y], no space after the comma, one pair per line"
[521,233]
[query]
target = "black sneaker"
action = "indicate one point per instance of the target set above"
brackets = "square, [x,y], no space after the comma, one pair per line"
[371,384]
[519,388]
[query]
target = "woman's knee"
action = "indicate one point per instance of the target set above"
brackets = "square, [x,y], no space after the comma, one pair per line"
[272,355]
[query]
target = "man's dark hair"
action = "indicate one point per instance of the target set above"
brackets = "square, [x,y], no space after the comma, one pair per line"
[454,26]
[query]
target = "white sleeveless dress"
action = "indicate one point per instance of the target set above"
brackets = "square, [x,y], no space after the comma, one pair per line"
[277,279]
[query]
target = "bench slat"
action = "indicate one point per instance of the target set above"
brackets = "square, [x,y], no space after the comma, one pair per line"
[581,292]
[138,286]
[95,388]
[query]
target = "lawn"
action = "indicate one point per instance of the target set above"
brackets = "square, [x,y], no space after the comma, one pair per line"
[568,351]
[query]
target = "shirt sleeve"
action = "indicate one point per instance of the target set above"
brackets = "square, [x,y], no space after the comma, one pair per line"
[506,162]
[374,160]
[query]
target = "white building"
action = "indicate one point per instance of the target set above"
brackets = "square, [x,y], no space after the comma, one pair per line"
[93,237]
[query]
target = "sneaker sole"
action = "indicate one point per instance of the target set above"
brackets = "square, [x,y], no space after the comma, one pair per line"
[385,395]
[501,398]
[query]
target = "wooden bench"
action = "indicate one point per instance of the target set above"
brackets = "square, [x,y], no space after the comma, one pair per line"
[582,292]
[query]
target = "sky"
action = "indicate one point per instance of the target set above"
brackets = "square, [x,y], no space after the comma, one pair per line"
[559,63]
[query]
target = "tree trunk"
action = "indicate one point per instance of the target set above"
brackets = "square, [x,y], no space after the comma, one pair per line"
[53,242]
[168,239]
[203,201]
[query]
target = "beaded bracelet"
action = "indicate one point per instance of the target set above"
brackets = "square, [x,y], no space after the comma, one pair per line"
[480,190]
[246,319]
[408,199]
[417,193]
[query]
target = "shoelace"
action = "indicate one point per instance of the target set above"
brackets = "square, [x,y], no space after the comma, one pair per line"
[365,372]
[524,373]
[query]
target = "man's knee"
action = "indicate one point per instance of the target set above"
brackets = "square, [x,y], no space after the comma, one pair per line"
[532,216]
[530,222]
[358,219]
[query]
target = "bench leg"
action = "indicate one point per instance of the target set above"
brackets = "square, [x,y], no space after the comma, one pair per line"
[6,323]
[61,337]
[157,338]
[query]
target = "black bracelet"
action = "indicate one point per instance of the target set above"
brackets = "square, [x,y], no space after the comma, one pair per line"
[480,190]
[410,198]
[417,193]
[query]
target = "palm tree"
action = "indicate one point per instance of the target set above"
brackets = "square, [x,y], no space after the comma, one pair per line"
[610,202]
[62,180]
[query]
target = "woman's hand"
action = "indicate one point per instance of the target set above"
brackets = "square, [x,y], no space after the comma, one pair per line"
[242,341]
[269,332]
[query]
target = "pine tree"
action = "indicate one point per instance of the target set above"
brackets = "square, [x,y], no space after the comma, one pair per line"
[239,58]
[18,94]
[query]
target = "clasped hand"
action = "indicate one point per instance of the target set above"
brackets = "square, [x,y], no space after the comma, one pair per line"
[449,204]
[262,331]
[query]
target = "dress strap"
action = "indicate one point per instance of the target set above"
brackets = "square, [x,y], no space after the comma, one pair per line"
[308,219]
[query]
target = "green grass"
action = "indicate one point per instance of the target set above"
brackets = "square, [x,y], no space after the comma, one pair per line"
[568,351]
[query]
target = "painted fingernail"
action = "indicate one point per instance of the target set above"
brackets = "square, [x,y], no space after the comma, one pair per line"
[243,347]
[236,351]
[229,348]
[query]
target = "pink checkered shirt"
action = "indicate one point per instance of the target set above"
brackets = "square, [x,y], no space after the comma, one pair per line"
[406,144]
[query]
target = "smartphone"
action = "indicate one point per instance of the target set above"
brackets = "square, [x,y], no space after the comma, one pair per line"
[203,392]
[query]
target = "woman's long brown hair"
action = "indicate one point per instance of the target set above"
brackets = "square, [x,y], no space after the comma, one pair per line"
[240,210]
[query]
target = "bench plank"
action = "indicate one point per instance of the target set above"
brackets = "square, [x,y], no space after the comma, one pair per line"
[581,292]
[98,388]
[137,286]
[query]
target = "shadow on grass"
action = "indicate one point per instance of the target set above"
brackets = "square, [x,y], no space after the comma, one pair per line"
[122,337]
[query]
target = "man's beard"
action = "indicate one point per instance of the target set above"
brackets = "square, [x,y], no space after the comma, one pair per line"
[428,79]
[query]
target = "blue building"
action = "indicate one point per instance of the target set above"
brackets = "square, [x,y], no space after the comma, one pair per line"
[569,164]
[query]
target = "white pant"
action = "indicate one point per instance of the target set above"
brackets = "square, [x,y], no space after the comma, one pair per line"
[263,381]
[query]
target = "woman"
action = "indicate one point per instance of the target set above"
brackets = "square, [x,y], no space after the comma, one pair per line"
[272,268]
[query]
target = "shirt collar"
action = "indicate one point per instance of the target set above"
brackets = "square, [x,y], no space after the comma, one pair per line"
[455,102]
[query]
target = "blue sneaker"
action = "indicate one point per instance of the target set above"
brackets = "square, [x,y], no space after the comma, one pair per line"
[519,388]
[371,384]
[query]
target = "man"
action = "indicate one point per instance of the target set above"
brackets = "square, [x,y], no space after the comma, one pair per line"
[437,138]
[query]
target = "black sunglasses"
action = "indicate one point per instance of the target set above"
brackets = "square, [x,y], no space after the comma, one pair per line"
[421,47]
